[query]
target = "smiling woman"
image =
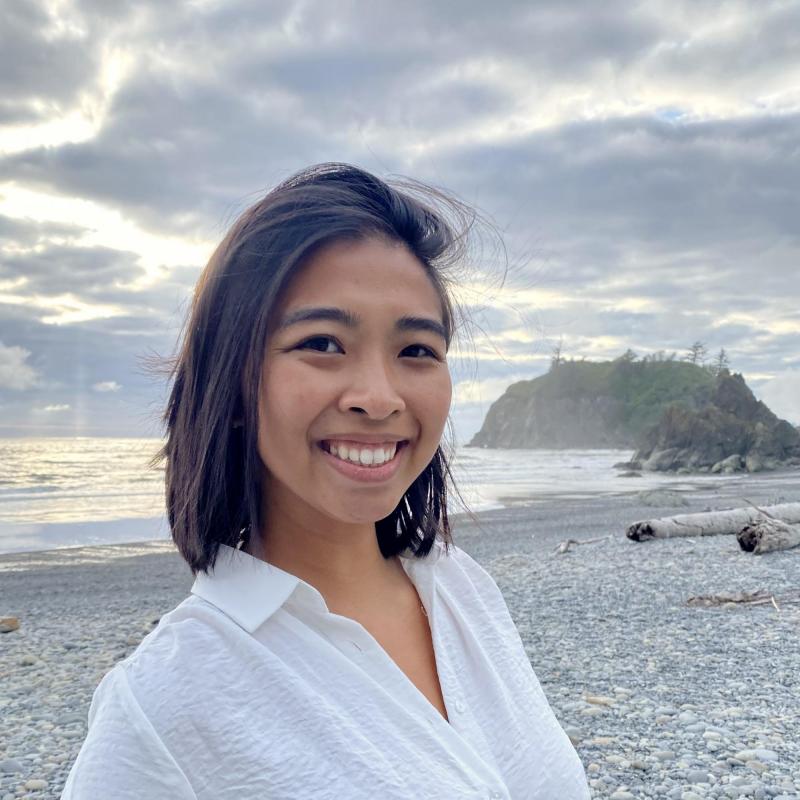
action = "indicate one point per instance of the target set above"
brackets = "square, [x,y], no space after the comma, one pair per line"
[336,642]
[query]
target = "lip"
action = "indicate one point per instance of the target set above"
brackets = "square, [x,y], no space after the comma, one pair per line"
[366,474]
[365,438]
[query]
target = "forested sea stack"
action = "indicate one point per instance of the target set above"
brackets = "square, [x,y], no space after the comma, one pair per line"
[676,415]
[588,404]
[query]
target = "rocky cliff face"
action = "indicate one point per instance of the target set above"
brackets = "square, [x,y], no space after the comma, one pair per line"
[518,420]
[591,404]
[734,431]
[677,416]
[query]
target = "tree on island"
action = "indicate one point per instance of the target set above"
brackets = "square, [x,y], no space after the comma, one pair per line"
[696,354]
[557,358]
[721,363]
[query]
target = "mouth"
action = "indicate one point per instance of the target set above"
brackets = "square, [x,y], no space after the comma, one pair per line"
[359,454]
[350,459]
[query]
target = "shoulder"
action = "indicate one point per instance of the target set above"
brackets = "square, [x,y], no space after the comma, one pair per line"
[460,561]
[182,662]
[458,570]
[471,589]
[123,755]
[194,627]
[471,592]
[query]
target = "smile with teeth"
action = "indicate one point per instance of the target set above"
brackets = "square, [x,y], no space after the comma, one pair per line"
[363,455]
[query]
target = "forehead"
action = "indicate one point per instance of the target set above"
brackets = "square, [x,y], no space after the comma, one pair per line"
[367,272]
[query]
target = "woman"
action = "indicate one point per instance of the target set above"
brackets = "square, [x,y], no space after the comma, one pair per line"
[336,643]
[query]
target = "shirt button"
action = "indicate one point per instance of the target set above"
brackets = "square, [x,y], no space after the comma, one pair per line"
[460,707]
[495,796]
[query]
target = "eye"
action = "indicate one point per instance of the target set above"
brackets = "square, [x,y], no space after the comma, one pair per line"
[320,344]
[422,351]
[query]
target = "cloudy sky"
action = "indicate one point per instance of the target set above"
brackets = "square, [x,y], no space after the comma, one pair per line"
[642,161]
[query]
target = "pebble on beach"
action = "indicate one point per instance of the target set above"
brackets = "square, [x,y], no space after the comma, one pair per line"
[8,624]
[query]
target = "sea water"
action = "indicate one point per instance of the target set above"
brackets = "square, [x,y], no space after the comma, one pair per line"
[85,491]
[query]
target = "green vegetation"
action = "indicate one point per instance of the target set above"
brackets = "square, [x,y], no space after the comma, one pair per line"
[642,389]
[686,414]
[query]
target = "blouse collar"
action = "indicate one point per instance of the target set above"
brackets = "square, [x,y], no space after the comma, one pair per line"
[250,590]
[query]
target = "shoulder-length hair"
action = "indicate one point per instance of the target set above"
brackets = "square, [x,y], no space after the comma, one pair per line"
[212,466]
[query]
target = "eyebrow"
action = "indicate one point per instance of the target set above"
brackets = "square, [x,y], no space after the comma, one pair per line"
[351,320]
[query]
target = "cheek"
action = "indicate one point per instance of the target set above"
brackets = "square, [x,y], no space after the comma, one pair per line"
[436,398]
[289,402]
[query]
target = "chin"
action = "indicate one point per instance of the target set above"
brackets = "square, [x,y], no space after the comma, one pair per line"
[365,514]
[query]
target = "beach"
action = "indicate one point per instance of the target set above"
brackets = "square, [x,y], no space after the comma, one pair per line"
[662,699]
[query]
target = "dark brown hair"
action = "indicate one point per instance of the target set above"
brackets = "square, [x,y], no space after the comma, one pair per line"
[213,468]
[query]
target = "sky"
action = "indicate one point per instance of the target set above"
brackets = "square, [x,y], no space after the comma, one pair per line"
[639,160]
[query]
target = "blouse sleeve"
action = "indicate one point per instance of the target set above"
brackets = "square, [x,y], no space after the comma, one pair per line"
[123,756]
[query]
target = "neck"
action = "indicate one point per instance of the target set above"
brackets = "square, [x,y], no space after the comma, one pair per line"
[342,561]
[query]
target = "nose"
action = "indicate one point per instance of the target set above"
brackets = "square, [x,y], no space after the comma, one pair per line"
[372,388]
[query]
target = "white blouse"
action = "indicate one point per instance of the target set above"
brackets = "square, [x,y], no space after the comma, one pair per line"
[251,688]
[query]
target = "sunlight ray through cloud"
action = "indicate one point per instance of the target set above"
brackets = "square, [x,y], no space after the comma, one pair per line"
[73,125]
[103,226]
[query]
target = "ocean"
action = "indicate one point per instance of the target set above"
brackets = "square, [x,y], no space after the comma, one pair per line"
[66,492]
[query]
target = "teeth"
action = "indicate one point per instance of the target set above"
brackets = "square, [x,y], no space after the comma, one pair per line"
[364,456]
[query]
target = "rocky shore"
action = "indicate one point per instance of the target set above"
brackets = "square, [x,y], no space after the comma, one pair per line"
[662,699]
[733,432]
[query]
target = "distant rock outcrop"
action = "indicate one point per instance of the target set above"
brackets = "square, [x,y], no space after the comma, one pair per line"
[591,405]
[733,432]
[676,415]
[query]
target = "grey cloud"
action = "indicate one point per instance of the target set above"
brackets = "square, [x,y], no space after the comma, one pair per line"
[100,275]
[29,232]
[36,66]
[492,317]
[537,34]
[492,368]
[752,53]
[389,89]
[72,358]
[113,10]
[84,271]
[12,112]
[708,201]
[673,331]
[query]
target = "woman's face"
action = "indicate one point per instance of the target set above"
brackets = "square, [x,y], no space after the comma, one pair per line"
[354,371]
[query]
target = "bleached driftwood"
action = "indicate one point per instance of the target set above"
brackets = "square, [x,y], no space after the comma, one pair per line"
[710,523]
[767,535]
[565,545]
[757,597]
[731,599]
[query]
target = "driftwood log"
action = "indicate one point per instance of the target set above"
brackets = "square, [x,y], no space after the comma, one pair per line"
[711,523]
[732,599]
[768,534]
[567,543]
